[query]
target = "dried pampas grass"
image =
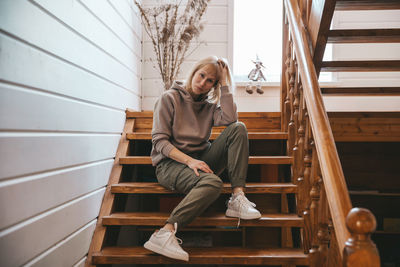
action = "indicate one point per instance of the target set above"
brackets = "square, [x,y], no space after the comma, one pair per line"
[171,31]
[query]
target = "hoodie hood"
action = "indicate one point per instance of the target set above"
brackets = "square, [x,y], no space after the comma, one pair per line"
[180,87]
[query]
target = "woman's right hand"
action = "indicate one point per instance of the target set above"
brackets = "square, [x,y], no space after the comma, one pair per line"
[197,165]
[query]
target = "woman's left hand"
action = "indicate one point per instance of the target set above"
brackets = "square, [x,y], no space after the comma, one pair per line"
[224,71]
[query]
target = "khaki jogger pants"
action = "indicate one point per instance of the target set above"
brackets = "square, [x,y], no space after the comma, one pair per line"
[229,151]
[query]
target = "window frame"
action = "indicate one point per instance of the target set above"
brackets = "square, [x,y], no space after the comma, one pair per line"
[230,46]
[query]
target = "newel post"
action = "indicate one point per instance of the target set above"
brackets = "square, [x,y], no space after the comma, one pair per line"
[360,250]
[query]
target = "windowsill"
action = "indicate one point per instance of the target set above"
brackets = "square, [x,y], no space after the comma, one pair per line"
[263,84]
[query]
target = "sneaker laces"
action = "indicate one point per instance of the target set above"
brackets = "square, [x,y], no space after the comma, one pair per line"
[179,241]
[243,202]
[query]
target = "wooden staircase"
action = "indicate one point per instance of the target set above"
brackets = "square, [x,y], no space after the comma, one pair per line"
[324,34]
[371,155]
[358,135]
[295,175]
[267,241]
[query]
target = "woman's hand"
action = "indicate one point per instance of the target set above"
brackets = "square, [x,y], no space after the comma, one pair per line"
[224,71]
[192,163]
[197,165]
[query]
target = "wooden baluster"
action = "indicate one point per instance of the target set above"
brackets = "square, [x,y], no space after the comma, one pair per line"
[285,65]
[307,159]
[302,184]
[316,181]
[297,165]
[307,231]
[307,183]
[323,230]
[296,104]
[291,126]
[360,250]
[288,75]
[333,258]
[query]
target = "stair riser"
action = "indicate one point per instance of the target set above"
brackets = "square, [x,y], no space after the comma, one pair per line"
[201,260]
[224,191]
[224,223]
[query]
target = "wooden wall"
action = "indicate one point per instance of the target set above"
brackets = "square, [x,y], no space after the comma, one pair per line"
[68,71]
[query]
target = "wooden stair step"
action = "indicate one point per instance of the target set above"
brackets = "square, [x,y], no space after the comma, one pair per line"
[145,160]
[362,90]
[364,36]
[367,4]
[381,65]
[215,219]
[213,255]
[156,188]
[214,135]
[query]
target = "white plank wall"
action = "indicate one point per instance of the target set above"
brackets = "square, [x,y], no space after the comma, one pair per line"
[68,71]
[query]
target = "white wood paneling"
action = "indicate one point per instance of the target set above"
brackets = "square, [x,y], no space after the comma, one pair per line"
[367,19]
[68,71]
[367,52]
[183,2]
[81,263]
[76,16]
[111,19]
[201,50]
[257,103]
[34,194]
[35,235]
[362,103]
[125,11]
[25,153]
[211,33]
[67,252]
[148,102]
[216,15]
[23,109]
[149,72]
[73,48]
[152,88]
[22,64]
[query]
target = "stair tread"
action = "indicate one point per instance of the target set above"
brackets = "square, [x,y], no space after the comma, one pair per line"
[211,219]
[214,135]
[156,188]
[374,65]
[364,36]
[367,4]
[252,160]
[361,90]
[213,255]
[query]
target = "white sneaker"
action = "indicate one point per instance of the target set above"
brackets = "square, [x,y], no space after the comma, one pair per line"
[165,242]
[240,207]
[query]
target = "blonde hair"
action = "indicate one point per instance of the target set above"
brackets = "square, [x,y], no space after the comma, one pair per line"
[214,93]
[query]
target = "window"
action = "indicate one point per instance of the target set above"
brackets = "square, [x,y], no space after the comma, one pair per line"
[257,31]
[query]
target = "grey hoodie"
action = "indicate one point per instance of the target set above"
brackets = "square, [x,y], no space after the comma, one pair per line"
[181,122]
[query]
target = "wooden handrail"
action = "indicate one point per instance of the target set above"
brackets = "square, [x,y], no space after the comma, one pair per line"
[333,178]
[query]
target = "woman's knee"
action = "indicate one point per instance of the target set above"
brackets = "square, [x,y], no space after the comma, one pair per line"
[239,127]
[212,181]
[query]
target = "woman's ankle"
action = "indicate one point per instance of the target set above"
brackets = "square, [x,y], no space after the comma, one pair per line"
[237,190]
[169,227]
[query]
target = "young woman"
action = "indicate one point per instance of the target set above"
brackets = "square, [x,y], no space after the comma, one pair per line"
[187,162]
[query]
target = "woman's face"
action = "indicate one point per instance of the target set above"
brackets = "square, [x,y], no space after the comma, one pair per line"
[203,80]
